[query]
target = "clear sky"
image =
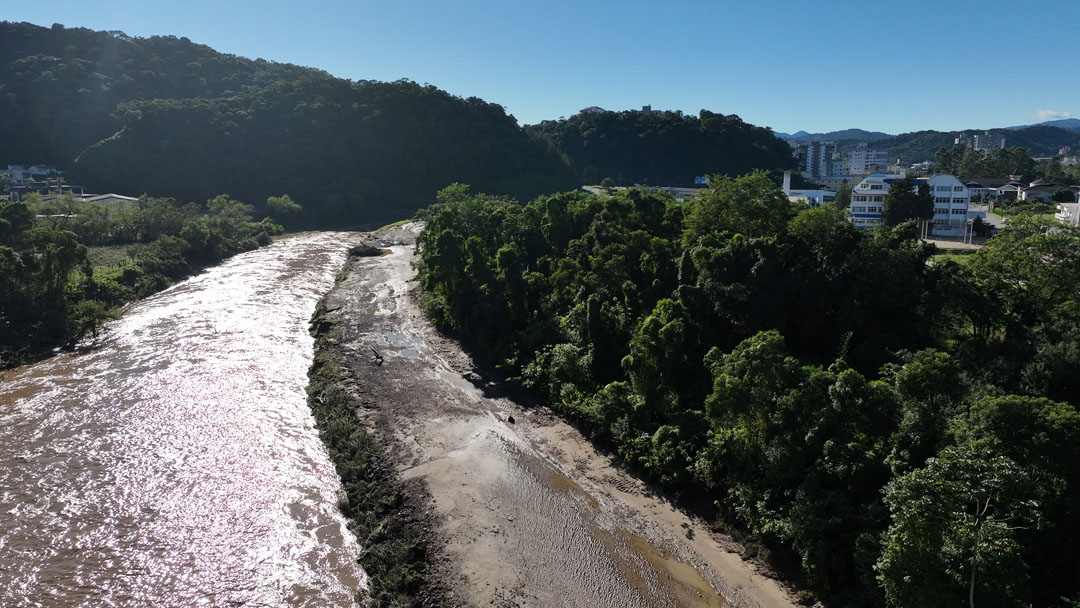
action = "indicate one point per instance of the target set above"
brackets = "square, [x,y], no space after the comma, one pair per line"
[815,65]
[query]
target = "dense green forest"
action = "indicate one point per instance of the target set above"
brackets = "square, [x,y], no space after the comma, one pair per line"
[59,87]
[662,148]
[1002,162]
[66,265]
[892,431]
[352,152]
[168,117]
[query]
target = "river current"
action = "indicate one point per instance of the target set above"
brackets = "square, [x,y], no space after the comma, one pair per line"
[177,464]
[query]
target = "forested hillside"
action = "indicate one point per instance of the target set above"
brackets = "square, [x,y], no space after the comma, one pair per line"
[662,148]
[355,152]
[59,87]
[894,431]
[921,146]
[169,117]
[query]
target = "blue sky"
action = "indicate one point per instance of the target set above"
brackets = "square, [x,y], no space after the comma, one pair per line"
[812,65]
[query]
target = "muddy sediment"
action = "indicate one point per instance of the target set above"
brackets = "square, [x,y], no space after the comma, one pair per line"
[509,505]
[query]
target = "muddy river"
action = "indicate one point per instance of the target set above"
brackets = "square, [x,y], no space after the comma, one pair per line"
[178,464]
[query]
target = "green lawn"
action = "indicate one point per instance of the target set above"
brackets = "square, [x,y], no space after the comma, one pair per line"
[113,256]
[397,223]
[953,256]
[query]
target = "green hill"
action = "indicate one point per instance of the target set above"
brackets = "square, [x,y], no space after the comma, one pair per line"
[169,117]
[663,148]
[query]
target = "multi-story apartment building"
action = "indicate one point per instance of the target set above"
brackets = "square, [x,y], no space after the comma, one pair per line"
[816,158]
[863,160]
[985,142]
[951,202]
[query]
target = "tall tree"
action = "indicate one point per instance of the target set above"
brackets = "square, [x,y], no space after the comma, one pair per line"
[953,536]
[843,197]
[906,201]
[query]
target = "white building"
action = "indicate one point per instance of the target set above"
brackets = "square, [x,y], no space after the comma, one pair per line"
[813,198]
[951,202]
[868,198]
[863,160]
[835,182]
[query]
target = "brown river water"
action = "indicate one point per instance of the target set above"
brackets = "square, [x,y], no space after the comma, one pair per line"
[177,464]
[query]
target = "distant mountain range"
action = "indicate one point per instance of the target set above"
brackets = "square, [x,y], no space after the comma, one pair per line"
[1072,124]
[1043,139]
[858,134]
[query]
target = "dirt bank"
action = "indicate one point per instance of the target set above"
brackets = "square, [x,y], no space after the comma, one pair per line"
[525,510]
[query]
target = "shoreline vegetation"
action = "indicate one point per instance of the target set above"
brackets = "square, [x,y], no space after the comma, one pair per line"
[820,388]
[68,266]
[388,515]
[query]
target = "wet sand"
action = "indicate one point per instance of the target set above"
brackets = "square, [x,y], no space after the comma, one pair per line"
[529,512]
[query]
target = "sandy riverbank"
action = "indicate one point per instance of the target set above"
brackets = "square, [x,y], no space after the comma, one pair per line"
[525,512]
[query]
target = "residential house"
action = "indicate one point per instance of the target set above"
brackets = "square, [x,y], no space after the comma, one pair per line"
[1043,191]
[985,188]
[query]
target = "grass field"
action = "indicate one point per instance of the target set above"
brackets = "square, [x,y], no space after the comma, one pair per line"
[960,257]
[114,256]
[397,223]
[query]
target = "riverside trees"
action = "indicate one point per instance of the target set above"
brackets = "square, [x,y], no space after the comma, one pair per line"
[50,292]
[823,387]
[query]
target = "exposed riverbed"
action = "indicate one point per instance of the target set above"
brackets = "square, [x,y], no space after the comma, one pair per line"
[178,464]
[527,511]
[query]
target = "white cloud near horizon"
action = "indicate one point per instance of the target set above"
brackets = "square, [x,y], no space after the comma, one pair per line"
[1051,114]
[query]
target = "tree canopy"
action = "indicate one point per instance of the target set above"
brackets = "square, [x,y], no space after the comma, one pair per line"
[663,148]
[890,431]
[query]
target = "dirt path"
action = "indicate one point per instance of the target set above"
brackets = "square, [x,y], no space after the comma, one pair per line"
[530,513]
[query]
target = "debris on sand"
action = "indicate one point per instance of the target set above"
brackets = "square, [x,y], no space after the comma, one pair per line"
[365,251]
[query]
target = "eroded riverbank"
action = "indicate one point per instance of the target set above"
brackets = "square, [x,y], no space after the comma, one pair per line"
[525,510]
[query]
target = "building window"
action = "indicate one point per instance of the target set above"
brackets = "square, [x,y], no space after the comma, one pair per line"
[959,201]
[958,189]
[942,199]
[959,211]
[860,199]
